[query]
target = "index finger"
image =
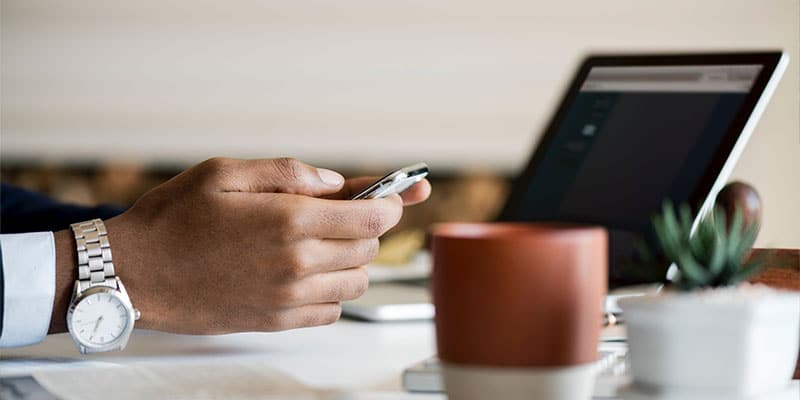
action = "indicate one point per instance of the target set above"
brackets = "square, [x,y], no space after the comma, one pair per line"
[413,195]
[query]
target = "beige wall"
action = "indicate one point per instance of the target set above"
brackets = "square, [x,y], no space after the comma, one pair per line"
[357,83]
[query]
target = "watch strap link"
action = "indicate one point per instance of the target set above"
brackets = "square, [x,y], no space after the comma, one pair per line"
[95,267]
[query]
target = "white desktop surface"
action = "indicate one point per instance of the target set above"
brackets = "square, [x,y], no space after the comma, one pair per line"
[352,356]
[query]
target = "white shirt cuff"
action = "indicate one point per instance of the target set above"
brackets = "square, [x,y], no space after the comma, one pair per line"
[29,284]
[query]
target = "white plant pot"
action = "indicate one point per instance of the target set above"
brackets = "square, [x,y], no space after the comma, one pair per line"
[734,341]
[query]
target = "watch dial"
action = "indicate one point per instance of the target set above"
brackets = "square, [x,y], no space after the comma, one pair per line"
[99,319]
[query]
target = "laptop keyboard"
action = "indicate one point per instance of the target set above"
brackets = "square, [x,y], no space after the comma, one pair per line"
[612,372]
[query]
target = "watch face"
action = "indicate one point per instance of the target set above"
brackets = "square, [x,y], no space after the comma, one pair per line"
[99,319]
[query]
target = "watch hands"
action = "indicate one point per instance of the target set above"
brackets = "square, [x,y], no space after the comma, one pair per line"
[97,324]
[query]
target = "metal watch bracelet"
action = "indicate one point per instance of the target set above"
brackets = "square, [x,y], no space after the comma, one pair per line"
[95,267]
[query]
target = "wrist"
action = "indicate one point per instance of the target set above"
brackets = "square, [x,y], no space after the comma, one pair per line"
[66,273]
[129,253]
[127,258]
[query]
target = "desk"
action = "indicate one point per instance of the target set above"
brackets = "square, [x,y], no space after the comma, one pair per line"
[347,355]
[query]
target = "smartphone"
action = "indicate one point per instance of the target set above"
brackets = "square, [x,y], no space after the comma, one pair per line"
[395,182]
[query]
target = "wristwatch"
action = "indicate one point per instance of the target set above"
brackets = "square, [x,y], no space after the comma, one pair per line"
[100,315]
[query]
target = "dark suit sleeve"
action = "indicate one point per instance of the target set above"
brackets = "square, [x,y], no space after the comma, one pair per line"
[25,211]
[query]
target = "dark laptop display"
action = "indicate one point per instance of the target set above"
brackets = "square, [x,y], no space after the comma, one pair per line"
[634,131]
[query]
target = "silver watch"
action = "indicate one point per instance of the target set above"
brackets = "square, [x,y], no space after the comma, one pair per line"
[100,315]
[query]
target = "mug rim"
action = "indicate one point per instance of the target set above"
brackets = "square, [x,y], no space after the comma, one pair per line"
[506,230]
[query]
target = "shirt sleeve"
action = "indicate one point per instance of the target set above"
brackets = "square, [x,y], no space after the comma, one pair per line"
[28,287]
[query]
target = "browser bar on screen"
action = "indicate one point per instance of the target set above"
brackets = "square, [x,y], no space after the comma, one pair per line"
[700,78]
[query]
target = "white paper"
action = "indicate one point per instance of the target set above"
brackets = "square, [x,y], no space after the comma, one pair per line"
[223,380]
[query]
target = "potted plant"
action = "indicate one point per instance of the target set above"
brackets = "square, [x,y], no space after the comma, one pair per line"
[710,334]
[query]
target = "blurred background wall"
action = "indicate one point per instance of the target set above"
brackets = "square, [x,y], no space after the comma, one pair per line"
[353,85]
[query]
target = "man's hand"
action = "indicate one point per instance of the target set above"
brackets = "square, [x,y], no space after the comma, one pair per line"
[235,245]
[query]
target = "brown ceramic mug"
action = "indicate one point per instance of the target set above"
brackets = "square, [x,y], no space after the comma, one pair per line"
[518,308]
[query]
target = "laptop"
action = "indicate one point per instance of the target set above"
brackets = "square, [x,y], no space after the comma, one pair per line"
[630,132]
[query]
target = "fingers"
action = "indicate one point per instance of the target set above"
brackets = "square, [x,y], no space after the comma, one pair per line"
[288,175]
[291,217]
[326,287]
[316,300]
[352,186]
[281,175]
[413,195]
[354,219]
[301,317]
[313,256]
[417,193]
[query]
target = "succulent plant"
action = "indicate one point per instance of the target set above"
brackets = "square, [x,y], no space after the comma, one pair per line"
[713,256]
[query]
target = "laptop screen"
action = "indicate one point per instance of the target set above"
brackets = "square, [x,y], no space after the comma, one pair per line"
[627,139]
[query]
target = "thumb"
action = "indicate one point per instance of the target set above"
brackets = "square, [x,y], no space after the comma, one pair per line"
[280,175]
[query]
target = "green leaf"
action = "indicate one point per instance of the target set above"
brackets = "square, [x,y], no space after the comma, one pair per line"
[735,236]
[686,217]
[702,239]
[692,270]
[745,244]
[717,259]
[750,236]
[664,240]
[673,237]
[671,222]
[712,256]
[746,272]
[700,244]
